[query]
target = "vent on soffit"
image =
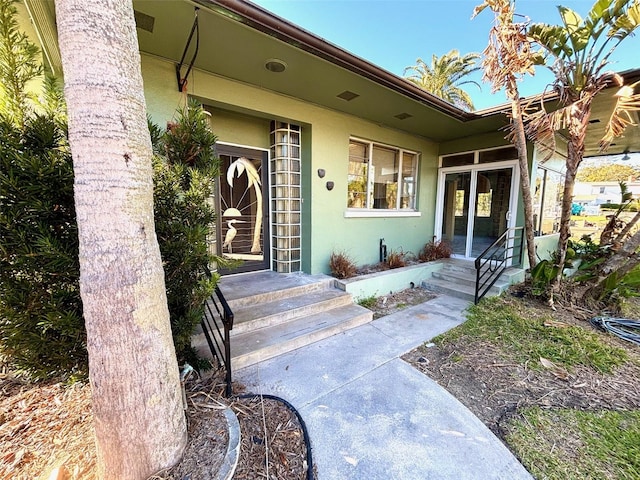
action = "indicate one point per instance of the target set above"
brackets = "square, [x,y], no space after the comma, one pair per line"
[403,116]
[595,120]
[347,95]
[144,21]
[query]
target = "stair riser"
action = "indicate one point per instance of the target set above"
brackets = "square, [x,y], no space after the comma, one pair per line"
[290,314]
[465,280]
[261,354]
[277,295]
[509,276]
[454,293]
[462,293]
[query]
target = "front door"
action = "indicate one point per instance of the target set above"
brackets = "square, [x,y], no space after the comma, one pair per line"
[476,207]
[243,207]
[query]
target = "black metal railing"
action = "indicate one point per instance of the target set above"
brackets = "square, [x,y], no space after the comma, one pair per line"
[217,324]
[504,252]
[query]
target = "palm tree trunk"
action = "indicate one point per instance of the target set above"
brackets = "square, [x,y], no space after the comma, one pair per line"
[137,403]
[257,231]
[520,141]
[575,151]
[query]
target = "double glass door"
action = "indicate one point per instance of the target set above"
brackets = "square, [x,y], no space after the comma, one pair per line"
[476,206]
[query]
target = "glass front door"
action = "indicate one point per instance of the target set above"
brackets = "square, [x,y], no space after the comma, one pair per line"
[476,205]
[455,219]
[492,208]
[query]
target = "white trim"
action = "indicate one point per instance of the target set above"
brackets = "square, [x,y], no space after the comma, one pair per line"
[380,144]
[473,170]
[242,146]
[476,156]
[377,213]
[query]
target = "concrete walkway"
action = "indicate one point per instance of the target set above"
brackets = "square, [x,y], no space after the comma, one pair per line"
[370,415]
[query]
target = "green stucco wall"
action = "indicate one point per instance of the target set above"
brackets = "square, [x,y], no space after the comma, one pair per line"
[240,113]
[240,129]
[475,142]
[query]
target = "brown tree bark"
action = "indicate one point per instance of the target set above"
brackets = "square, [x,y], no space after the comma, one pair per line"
[139,421]
[520,142]
[575,152]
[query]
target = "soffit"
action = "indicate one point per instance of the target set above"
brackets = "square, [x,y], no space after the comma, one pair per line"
[237,51]
[601,110]
[231,48]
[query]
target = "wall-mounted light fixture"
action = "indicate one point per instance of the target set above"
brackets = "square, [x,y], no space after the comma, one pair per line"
[321,172]
[330,186]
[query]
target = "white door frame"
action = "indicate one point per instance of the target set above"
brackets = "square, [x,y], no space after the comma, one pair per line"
[473,170]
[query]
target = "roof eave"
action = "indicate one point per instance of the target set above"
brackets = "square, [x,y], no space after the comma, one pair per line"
[262,20]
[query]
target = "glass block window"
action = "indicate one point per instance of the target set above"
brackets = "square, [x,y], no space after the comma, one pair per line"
[286,205]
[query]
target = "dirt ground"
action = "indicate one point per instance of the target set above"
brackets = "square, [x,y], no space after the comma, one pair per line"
[494,389]
[395,302]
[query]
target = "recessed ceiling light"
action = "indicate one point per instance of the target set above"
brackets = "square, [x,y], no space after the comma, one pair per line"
[403,116]
[275,65]
[347,95]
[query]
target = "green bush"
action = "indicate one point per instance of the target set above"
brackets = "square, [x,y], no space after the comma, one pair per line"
[183,176]
[616,206]
[41,325]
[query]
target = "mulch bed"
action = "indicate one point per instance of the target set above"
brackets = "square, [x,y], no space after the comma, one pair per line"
[49,425]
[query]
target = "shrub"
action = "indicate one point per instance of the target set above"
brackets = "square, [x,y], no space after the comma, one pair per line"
[42,331]
[435,250]
[341,265]
[183,215]
[41,325]
[396,259]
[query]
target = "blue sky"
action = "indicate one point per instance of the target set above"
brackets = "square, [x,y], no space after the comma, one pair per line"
[394,33]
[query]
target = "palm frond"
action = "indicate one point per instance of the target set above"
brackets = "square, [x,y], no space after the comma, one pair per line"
[628,101]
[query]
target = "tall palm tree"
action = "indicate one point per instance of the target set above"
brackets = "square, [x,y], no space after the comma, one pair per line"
[139,421]
[444,77]
[507,58]
[578,52]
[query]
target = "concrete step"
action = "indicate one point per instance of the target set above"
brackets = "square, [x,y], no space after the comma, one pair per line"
[259,287]
[465,278]
[255,346]
[458,290]
[270,313]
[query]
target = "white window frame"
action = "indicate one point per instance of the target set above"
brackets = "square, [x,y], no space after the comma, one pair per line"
[368,211]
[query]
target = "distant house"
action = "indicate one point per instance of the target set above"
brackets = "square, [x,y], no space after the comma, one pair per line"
[597,193]
[347,152]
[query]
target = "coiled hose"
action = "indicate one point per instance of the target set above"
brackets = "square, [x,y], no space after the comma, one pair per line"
[624,328]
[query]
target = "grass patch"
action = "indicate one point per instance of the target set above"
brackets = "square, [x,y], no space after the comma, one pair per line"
[504,322]
[630,308]
[367,302]
[573,444]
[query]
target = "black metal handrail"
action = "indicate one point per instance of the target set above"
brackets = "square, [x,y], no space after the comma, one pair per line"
[491,263]
[217,324]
